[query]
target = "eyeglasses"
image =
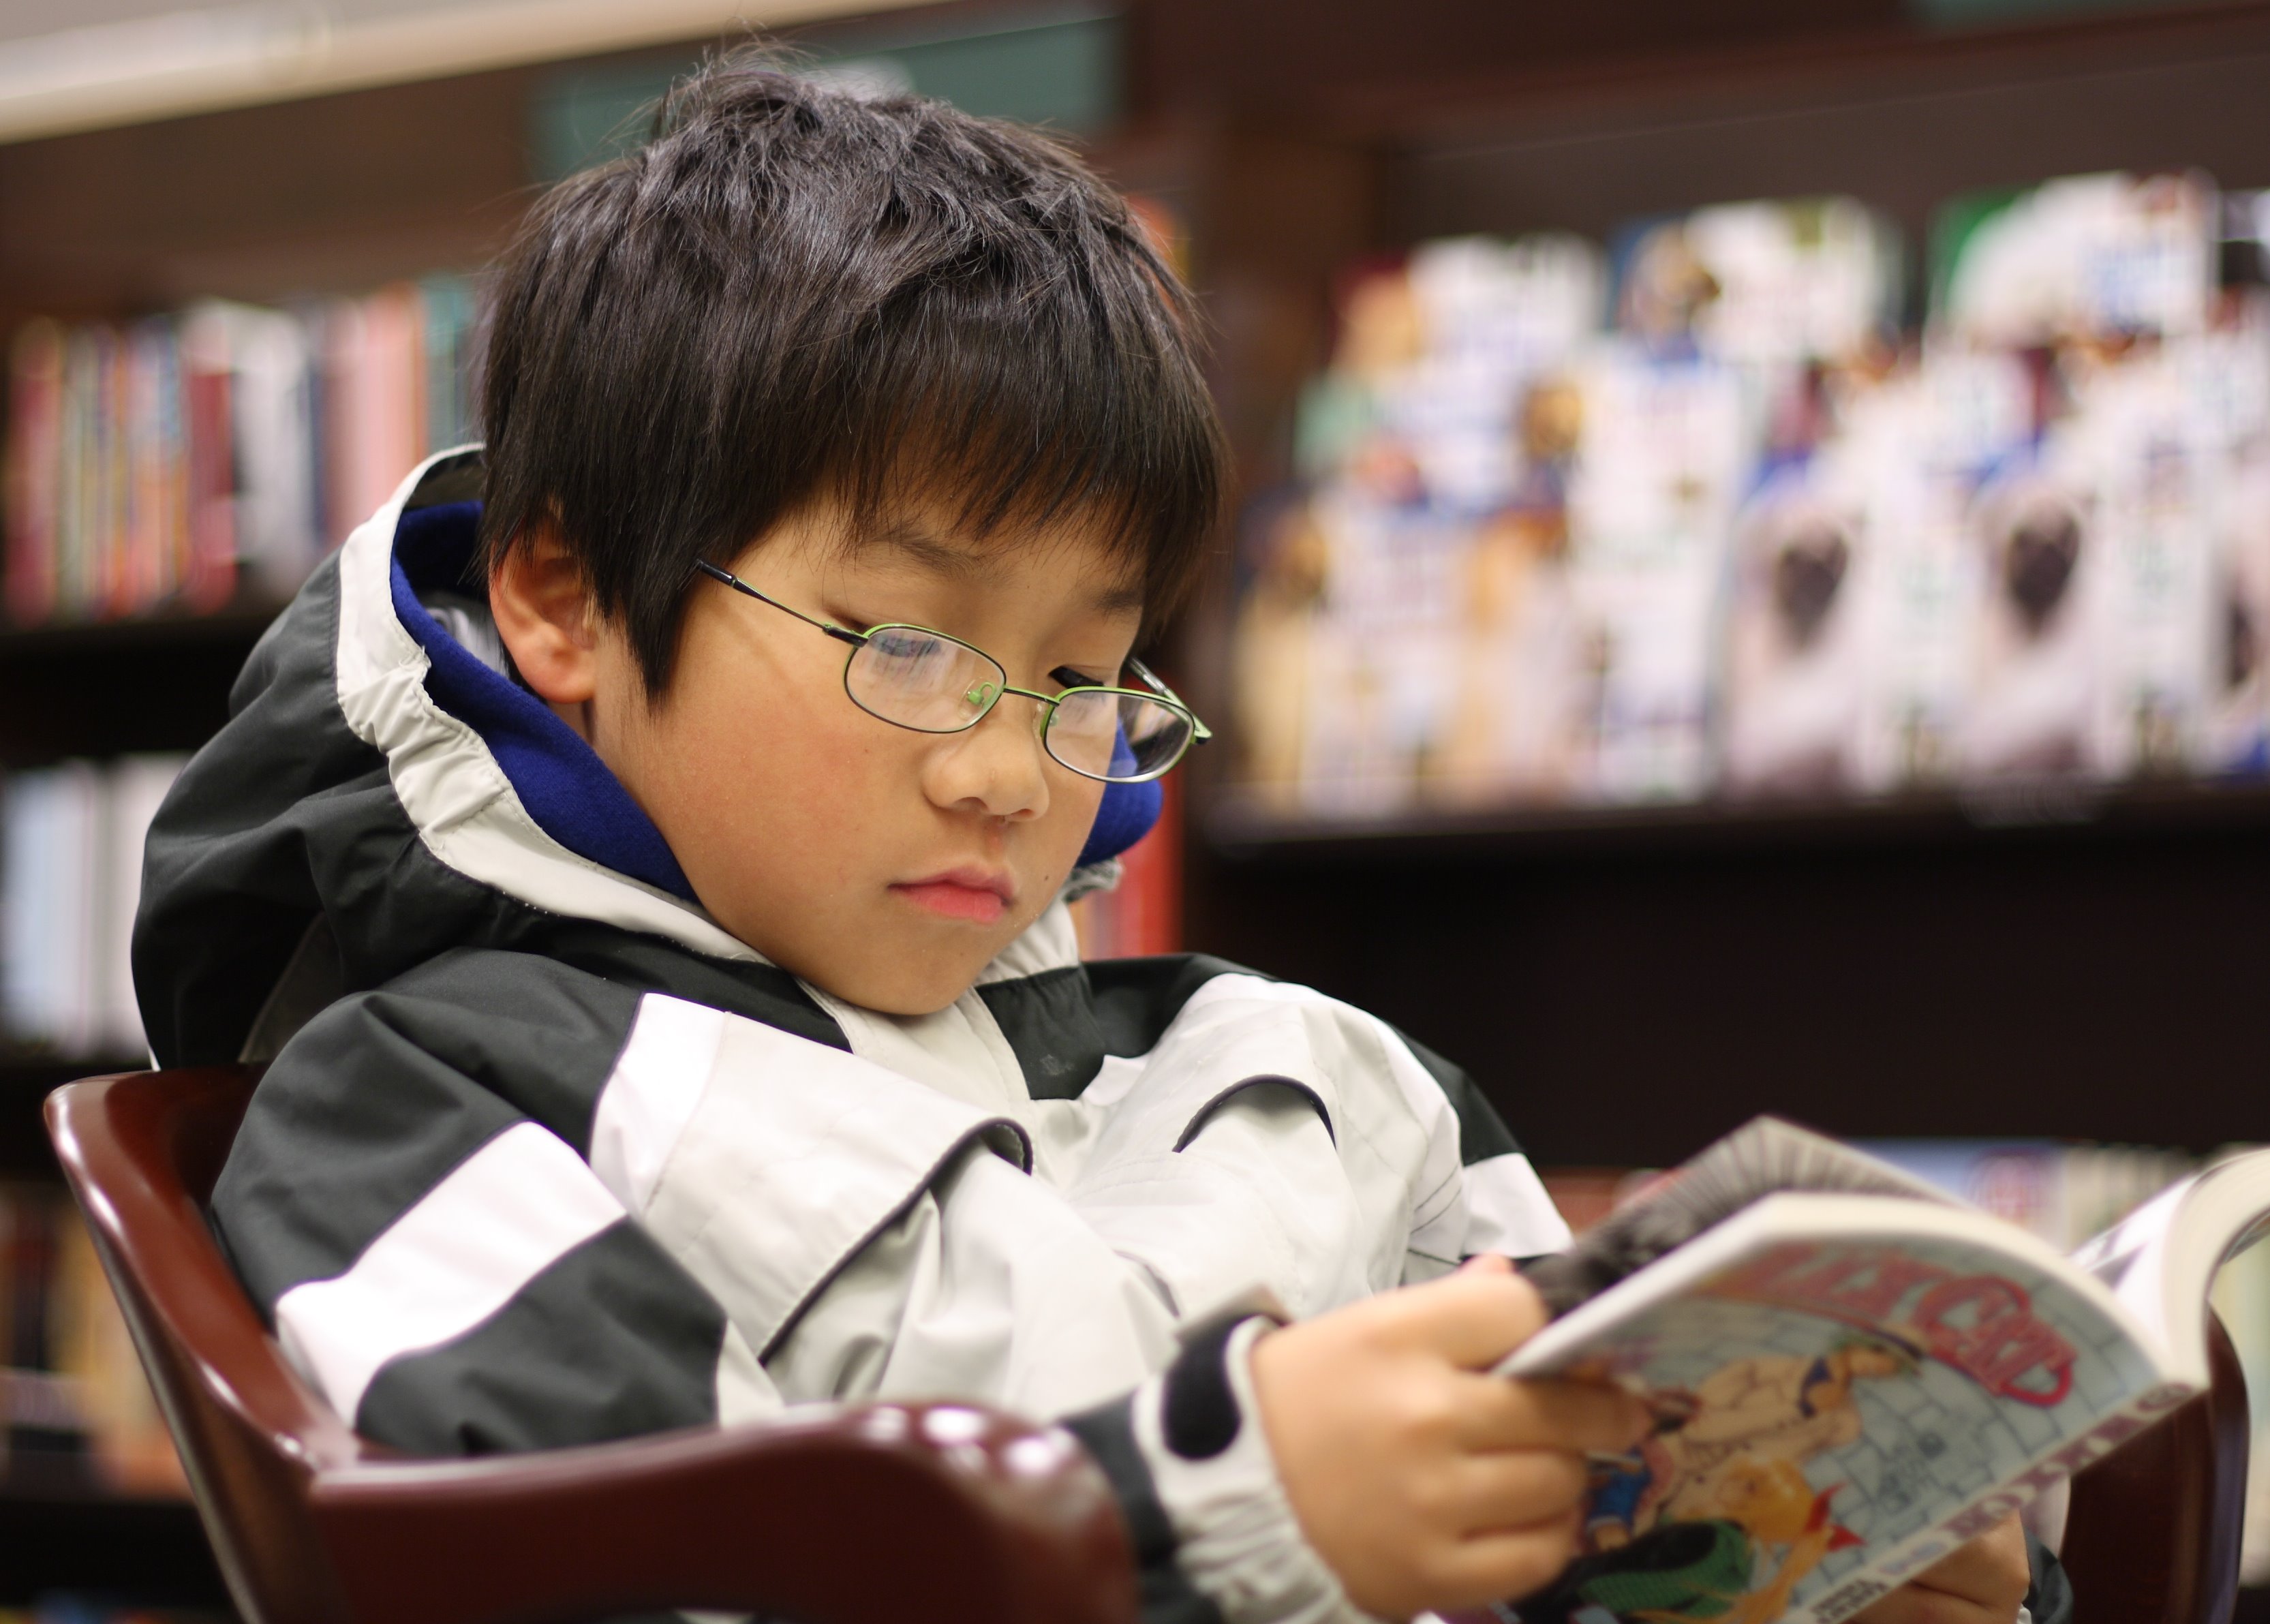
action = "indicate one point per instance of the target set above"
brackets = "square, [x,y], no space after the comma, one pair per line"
[914,678]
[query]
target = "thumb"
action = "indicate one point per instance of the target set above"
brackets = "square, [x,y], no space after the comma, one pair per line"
[1471,1318]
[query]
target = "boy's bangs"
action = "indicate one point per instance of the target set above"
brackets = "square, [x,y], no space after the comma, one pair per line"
[1014,444]
[792,295]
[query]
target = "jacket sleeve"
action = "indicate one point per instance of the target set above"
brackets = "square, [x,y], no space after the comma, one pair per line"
[507,1218]
[1214,1537]
[407,1204]
[2049,1598]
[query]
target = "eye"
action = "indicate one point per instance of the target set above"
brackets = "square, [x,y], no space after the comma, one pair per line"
[1064,675]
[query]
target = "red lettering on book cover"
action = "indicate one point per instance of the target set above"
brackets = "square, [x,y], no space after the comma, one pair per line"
[1982,1325]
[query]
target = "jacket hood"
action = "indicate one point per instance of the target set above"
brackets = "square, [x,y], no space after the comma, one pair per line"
[385,791]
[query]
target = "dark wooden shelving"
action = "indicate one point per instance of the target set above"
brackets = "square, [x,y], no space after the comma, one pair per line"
[26,1078]
[237,626]
[1627,995]
[1629,982]
[66,1533]
[108,688]
[1998,815]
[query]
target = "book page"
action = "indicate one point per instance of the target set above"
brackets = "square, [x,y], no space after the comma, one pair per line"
[2161,1258]
[1835,1414]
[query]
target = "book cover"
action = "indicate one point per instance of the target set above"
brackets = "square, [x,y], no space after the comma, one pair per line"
[1829,1416]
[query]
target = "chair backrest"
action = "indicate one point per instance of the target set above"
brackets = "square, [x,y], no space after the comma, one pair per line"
[142,1153]
[866,1516]
[838,1516]
[2152,1534]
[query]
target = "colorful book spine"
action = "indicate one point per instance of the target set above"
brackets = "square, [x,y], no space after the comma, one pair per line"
[34,469]
[178,463]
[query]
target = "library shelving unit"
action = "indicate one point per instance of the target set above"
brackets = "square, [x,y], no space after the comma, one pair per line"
[1625,983]
[100,691]
[2033,962]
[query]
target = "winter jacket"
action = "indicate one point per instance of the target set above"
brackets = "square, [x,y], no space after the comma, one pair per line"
[545,1156]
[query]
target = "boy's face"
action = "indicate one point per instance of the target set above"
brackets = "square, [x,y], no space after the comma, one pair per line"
[883,865]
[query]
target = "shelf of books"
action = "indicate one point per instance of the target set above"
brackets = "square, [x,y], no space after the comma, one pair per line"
[1687,536]
[170,481]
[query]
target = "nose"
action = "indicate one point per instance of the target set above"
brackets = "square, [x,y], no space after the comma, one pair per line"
[998,767]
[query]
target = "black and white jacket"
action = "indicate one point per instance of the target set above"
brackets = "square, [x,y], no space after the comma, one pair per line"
[545,1156]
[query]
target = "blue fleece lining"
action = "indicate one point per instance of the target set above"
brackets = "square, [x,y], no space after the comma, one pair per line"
[560,779]
[1123,817]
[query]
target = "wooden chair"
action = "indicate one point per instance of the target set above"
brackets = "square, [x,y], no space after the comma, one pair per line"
[880,1511]
[829,1516]
[2152,1535]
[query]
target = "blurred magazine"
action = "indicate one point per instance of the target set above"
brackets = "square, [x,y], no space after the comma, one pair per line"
[1853,1374]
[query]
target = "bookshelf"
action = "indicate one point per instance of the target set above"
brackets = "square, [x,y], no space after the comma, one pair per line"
[107,689]
[1627,982]
[2060,814]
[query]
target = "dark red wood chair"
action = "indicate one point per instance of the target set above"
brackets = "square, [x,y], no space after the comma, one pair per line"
[2152,1535]
[872,1512]
[833,1515]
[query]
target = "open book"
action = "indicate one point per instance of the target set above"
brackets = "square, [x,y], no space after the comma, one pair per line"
[1853,1373]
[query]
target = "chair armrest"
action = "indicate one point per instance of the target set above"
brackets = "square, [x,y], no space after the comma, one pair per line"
[870,1513]
[2153,1533]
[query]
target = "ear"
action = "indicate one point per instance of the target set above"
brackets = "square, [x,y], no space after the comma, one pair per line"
[545,614]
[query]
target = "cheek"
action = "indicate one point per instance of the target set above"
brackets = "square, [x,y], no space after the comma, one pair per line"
[801,782]
[1051,847]
[769,805]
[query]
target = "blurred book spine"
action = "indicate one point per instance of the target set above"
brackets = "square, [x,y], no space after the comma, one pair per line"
[182,463]
[75,1411]
[71,877]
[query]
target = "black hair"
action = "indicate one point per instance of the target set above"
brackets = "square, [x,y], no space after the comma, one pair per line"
[790,293]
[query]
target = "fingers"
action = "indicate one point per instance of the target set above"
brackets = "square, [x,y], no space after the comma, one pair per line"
[1472,1318]
[1572,1417]
[1512,1490]
[1490,1566]
[1914,1603]
[1992,1571]
[1981,1583]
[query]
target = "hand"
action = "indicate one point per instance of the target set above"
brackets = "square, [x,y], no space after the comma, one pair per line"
[1422,1481]
[1982,1584]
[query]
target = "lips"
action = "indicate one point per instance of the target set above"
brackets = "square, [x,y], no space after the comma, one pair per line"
[979,896]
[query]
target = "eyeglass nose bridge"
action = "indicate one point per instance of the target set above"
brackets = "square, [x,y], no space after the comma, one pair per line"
[988,695]
[1047,707]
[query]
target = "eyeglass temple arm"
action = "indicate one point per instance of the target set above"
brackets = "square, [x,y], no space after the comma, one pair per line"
[841,633]
[1151,680]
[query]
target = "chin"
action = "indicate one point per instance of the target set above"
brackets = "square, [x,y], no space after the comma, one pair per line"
[915,989]
[899,998]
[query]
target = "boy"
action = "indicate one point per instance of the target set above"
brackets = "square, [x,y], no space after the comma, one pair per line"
[658,930]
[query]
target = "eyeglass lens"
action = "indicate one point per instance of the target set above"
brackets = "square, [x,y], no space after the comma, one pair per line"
[1116,735]
[928,681]
[920,679]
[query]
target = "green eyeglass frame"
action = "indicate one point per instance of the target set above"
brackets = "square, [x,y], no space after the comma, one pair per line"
[938,684]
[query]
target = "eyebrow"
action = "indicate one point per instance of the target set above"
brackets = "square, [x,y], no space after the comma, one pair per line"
[909,538]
